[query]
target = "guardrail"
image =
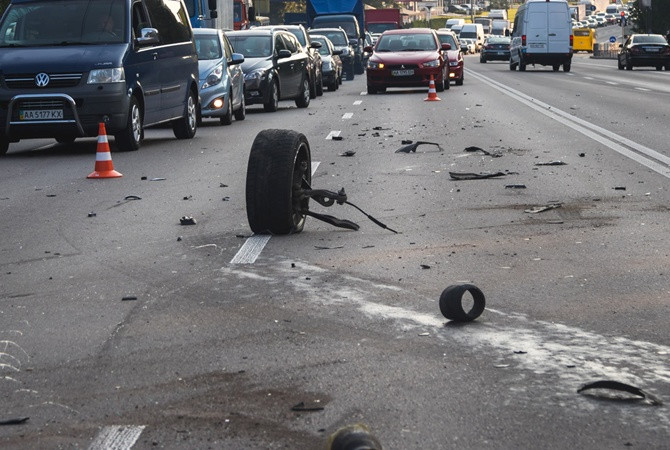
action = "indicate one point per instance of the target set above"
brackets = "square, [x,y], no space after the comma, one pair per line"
[606,50]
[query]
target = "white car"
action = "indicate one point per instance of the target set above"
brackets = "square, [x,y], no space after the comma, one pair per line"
[468,46]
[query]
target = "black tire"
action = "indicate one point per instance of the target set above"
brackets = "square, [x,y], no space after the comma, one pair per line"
[272,104]
[482,59]
[566,67]
[555,67]
[279,168]
[130,138]
[303,98]
[372,90]
[65,139]
[227,118]
[4,146]
[333,86]
[319,84]
[350,71]
[659,67]
[359,68]
[186,127]
[312,86]
[629,66]
[439,85]
[451,305]
[241,112]
[512,66]
[459,82]
[447,81]
[619,65]
[522,64]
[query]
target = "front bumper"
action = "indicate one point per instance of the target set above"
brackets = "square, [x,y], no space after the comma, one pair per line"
[420,77]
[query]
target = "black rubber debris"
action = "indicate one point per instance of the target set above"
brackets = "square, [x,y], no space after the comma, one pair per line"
[337,138]
[128,298]
[187,220]
[15,421]
[451,302]
[551,163]
[348,153]
[479,149]
[92,214]
[620,188]
[311,406]
[132,197]
[475,176]
[424,266]
[409,146]
[515,186]
[603,386]
[353,437]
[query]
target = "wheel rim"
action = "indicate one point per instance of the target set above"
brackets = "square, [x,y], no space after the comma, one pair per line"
[192,114]
[305,90]
[136,123]
[275,95]
[302,177]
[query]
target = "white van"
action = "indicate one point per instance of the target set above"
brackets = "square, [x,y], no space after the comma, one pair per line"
[473,31]
[451,22]
[542,35]
[498,14]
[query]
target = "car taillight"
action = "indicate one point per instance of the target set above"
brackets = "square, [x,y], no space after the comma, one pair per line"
[523,40]
[572,38]
[666,51]
[489,47]
[635,50]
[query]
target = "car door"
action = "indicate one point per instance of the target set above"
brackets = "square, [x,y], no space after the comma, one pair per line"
[143,66]
[558,27]
[234,71]
[300,62]
[286,67]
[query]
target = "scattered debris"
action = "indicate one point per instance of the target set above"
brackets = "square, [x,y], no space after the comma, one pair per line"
[581,155]
[188,197]
[552,163]
[475,176]
[543,208]
[425,266]
[619,188]
[225,199]
[424,334]
[51,195]
[312,406]
[515,186]
[479,149]
[132,197]
[16,421]
[92,214]
[356,436]
[318,247]
[348,153]
[337,138]
[621,387]
[500,366]
[179,238]
[128,298]
[409,146]
[158,179]
[520,352]
[223,185]
[143,177]
[451,302]
[380,128]
[187,220]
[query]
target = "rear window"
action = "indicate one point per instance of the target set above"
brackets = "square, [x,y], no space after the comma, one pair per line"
[649,39]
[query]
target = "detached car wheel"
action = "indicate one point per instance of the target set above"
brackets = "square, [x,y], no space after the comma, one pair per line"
[186,127]
[279,169]
[130,138]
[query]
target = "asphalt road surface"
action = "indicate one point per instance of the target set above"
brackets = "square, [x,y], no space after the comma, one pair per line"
[222,333]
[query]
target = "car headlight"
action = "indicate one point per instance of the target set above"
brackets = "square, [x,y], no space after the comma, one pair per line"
[326,66]
[434,63]
[99,76]
[375,65]
[255,75]
[453,63]
[214,77]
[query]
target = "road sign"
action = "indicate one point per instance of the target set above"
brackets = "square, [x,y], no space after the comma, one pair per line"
[612,39]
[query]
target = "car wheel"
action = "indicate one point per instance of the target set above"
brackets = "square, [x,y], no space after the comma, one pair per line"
[459,82]
[274,203]
[186,127]
[350,71]
[482,59]
[667,67]
[659,67]
[555,67]
[227,118]
[512,66]
[311,81]
[333,86]
[4,146]
[241,112]
[273,98]
[302,100]
[439,84]
[372,90]
[319,84]
[359,68]
[629,66]
[130,138]
[522,64]
[619,64]
[65,139]
[566,67]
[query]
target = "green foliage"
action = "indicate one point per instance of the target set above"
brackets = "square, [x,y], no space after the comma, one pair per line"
[3,6]
[499,4]
[656,21]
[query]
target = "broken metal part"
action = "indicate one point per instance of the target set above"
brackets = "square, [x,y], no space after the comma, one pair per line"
[539,209]
[16,421]
[479,149]
[187,220]
[451,302]
[342,223]
[348,153]
[475,176]
[622,387]
[312,406]
[410,146]
[551,163]
[515,186]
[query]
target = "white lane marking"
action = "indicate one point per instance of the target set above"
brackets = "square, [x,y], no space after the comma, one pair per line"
[347,115]
[117,437]
[642,89]
[612,83]
[364,93]
[641,154]
[588,78]
[358,102]
[333,133]
[254,245]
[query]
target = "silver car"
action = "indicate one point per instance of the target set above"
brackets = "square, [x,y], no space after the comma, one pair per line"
[221,79]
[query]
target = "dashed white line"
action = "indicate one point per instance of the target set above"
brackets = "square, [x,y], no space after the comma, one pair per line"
[254,245]
[347,115]
[364,93]
[117,437]
[358,102]
[643,89]
[333,133]
[612,83]
[588,78]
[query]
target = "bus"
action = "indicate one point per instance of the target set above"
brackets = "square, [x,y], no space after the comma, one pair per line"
[583,39]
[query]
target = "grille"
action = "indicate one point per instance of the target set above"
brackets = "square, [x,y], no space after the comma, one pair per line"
[403,66]
[56,80]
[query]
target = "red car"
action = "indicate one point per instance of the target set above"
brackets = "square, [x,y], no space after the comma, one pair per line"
[407,58]
[455,55]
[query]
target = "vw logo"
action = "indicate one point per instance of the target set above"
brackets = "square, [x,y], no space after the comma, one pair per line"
[41,79]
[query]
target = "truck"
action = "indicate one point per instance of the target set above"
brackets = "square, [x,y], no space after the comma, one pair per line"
[347,14]
[380,20]
[500,27]
[221,14]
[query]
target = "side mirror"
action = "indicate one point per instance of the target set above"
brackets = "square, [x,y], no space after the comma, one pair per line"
[353,43]
[368,48]
[237,58]
[337,52]
[316,45]
[148,36]
[620,45]
[283,53]
[446,46]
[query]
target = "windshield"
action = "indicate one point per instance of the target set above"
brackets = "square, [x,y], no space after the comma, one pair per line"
[323,50]
[406,43]
[447,39]
[381,27]
[299,36]
[338,38]
[63,22]
[349,27]
[208,47]
[251,46]
[649,39]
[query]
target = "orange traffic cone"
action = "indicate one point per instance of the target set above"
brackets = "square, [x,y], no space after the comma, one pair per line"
[103,157]
[432,93]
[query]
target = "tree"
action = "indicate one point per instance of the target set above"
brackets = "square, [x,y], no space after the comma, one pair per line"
[655,19]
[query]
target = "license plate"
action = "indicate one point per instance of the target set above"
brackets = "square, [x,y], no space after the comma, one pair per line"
[501,53]
[536,45]
[652,49]
[402,73]
[41,114]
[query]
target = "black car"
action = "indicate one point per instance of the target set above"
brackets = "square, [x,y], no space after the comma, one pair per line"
[332,64]
[644,50]
[275,67]
[312,50]
[496,48]
[341,42]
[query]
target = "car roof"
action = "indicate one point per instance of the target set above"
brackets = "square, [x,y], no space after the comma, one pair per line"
[321,30]
[251,32]
[409,31]
[206,31]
